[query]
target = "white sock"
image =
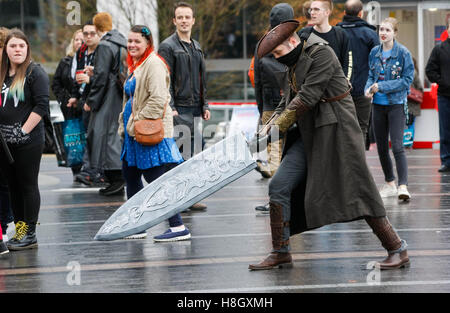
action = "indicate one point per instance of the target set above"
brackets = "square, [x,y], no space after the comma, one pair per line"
[177,229]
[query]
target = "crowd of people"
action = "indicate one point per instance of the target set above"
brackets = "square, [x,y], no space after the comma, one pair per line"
[112,83]
[323,88]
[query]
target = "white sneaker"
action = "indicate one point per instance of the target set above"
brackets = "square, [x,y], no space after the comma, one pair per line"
[137,236]
[403,193]
[388,191]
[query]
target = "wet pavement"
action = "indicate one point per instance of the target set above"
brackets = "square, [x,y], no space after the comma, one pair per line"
[227,237]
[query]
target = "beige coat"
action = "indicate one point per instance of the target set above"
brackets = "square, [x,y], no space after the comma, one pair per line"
[151,95]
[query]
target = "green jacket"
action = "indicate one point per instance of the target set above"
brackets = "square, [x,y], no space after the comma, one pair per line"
[339,185]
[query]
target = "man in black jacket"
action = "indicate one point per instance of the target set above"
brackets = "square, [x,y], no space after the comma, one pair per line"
[438,71]
[105,103]
[185,59]
[363,38]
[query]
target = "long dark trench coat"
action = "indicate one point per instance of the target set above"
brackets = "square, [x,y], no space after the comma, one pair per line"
[105,100]
[339,186]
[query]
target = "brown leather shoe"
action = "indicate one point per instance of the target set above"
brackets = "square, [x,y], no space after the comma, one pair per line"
[198,207]
[273,260]
[394,261]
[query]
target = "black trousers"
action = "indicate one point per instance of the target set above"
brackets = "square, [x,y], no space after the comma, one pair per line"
[363,106]
[22,179]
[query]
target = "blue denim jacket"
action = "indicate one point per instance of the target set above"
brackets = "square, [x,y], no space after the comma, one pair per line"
[399,72]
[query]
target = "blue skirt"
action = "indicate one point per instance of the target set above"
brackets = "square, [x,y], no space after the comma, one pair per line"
[145,157]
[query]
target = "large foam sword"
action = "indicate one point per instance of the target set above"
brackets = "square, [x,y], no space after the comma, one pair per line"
[181,187]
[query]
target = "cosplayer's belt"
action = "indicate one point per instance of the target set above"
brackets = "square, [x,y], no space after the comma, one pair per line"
[338,98]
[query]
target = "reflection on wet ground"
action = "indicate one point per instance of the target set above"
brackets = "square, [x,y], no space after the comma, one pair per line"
[226,238]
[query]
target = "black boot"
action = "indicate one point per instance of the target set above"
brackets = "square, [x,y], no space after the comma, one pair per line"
[117,183]
[25,238]
[3,247]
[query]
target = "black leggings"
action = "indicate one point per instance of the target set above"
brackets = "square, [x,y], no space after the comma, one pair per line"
[22,179]
[390,121]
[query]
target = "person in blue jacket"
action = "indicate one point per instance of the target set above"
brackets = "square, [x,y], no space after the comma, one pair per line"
[391,72]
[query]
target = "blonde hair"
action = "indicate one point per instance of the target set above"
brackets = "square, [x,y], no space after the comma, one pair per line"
[328,2]
[3,34]
[393,21]
[70,50]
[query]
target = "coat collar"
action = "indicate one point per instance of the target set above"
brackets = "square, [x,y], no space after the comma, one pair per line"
[395,50]
[143,64]
[313,40]
[194,43]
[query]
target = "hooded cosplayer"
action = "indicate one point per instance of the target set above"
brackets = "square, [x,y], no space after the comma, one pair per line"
[323,177]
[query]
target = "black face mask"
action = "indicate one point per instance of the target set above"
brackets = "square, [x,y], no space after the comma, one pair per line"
[292,57]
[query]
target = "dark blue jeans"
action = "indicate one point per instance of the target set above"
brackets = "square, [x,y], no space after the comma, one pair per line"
[390,120]
[133,179]
[444,129]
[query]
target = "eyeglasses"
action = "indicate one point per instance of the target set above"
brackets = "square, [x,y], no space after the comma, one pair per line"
[315,10]
[92,34]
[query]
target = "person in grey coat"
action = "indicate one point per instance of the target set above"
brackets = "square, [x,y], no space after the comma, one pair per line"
[105,103]
[323,177]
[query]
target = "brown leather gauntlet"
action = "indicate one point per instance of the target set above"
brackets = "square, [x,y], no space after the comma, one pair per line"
[291,114]
[297,105]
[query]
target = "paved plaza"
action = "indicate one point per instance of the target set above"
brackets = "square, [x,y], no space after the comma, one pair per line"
[227,237]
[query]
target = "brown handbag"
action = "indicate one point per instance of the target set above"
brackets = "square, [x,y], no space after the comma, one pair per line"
[415,95]
[149,132]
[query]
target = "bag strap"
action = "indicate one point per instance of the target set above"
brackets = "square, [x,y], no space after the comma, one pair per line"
[132,112]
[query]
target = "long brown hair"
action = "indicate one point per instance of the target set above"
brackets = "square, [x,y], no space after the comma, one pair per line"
[17,86]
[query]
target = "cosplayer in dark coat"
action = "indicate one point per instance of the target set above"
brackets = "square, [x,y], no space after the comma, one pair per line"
[323,177]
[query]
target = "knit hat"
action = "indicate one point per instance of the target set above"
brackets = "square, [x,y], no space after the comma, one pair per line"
[281,12]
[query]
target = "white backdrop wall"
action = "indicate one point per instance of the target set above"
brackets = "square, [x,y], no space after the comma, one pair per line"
[126,13]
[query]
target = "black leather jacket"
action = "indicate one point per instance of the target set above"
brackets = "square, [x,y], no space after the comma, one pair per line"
[437,67]
[62,85]
[180,63]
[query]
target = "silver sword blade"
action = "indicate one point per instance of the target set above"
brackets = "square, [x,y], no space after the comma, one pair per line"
[180,188]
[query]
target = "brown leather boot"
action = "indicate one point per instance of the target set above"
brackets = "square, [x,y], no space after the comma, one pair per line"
[396,247]
[276,259]
[396,259]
